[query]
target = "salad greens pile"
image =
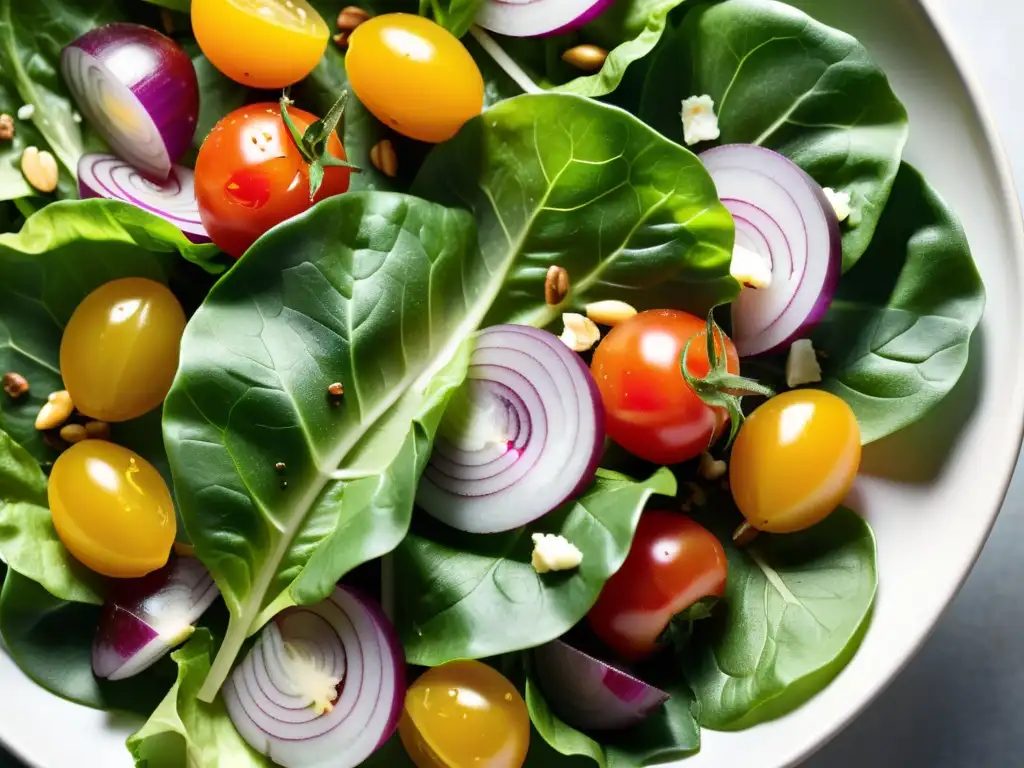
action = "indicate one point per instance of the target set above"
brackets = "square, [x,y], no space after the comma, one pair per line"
[384,287]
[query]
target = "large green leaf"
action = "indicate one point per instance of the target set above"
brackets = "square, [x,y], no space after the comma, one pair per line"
[784,81]
[461,595]
[28,540]
[897,336]
[667,735]
[797,608]
[377,291]
[184,731]
[51,640]
[562,179]
[63,253]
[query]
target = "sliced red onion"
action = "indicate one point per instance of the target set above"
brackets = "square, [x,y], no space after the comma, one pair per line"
[538,18]
[143,619]
[138,89]
[522,435]
[174,200]
[590,694]
[322,686]
[782,214]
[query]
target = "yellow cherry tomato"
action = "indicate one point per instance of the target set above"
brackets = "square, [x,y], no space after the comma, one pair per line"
[794,459]
[414,75]
[119,352]
[465,715]
[260,43]
[111,509]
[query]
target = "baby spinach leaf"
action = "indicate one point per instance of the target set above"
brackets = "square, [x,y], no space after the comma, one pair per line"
[51,641]
[556,179]
[460,595]
[185,731]
[897,335]
[796,609]
[669,734]
[455,15]
[28,540]
[376,291]
[784,81]
[64,252]
[629,30]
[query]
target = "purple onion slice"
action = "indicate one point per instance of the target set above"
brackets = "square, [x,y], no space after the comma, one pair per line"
[590,694]
[538,18]
[521,436]
[143,619]
[174,200]
[322,686]
[138,89]
[781,214]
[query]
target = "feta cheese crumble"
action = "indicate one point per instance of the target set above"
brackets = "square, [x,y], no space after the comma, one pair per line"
[26,111]
[840,202]
[552,552]
[802,364]
[700,123]
[750,268]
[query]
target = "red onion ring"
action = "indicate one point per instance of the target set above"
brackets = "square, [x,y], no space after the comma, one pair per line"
[531,435]
[346,640]
[174,200]
[538,18]
[782,214]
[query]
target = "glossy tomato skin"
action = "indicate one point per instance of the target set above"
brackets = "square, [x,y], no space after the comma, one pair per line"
[672,563]
[111,509]
[265,44]
[119,351]
[794,460]
[414,76]
[465,714]
[250,175]
[651,411]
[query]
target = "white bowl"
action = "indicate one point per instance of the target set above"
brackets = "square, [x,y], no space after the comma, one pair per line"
[931,521]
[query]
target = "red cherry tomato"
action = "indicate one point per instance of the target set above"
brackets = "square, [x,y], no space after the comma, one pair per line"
[651,411]
[673,563]
[250,176]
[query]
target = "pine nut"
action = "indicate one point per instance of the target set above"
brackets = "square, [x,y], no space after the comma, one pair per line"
[56,411]
[40,169]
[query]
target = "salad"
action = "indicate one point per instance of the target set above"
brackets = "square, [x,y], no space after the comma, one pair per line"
[455,382]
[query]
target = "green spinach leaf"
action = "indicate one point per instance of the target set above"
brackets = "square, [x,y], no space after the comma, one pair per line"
[461,595]
[897,335]
[784,81]
[51,640]
[560,179]
[28,540]
[455,15]
[376,291]
[796,609]
[185,731]
[64,252]
[669,734]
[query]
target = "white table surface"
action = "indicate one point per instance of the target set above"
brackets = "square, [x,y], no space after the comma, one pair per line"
[960,702]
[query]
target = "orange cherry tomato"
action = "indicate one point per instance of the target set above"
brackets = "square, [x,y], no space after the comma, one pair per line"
[414,76]
[250,176]
[650,409]
[111,509]
[673,563]
[265,44]
[794,460]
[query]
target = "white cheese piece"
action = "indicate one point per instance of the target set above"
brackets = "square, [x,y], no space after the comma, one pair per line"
[580,333]
[25,112]
[700,123]
[711,468]
[802,364]
[840,202]
[750,268]
[552,552]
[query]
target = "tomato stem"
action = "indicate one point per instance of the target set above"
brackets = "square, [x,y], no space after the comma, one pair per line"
[312,144]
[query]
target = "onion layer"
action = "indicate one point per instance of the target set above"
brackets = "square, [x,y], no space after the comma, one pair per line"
[521,436]
[174,200]
[322,686]
[538,18]
[588,693]
[138,89]
[781,214]
[145,618]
